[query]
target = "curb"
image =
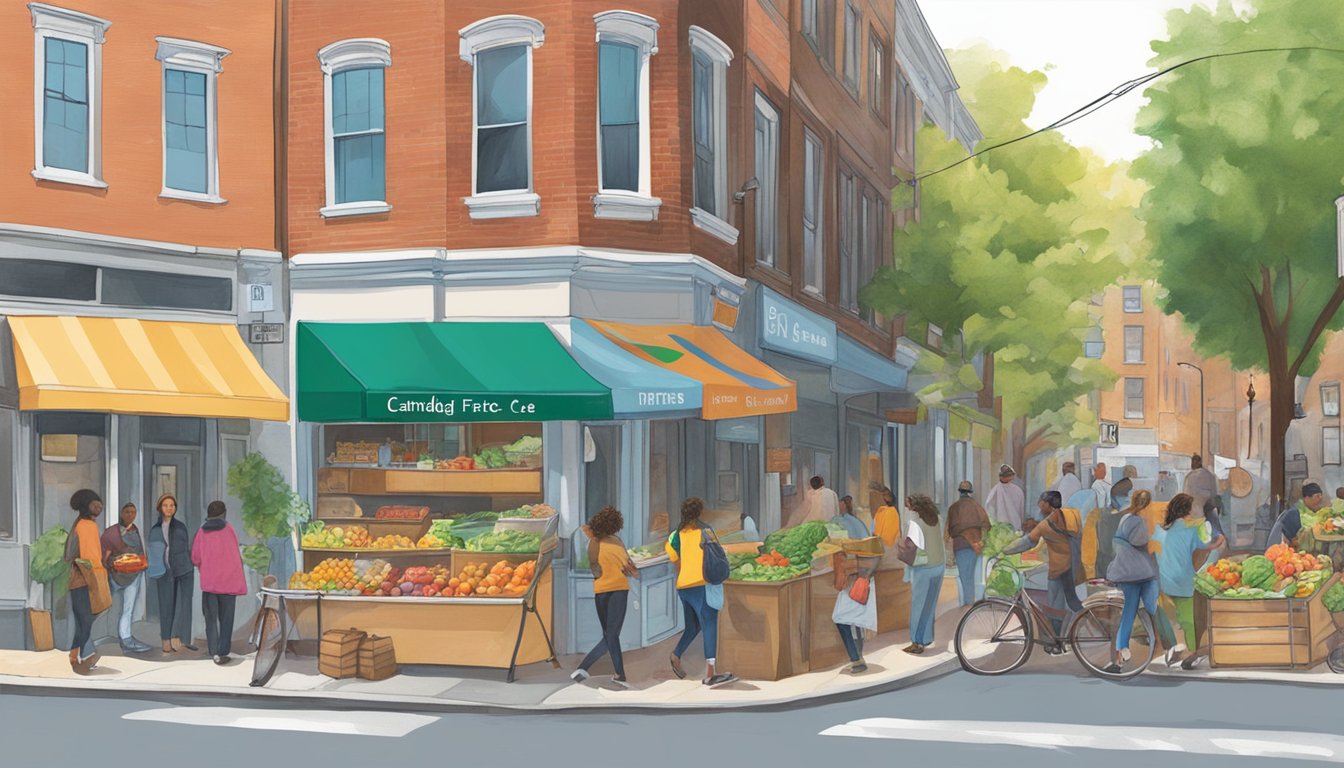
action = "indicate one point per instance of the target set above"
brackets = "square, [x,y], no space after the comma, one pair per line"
[384,702]
[1320,681]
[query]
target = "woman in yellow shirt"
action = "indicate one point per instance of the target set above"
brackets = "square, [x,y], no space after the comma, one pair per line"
[887,520]
[611,568]
[683,548]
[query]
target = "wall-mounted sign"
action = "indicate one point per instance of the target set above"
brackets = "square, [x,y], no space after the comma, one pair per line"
[1109,436]
[266,333]
[260,297]
[787,327]
[779,460]
[725,314]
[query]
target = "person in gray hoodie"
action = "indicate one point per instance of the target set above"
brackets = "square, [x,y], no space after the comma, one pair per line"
[1134,569]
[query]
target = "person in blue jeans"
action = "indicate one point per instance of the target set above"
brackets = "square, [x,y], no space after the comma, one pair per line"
[1134,569]
[967,524]
[925,529]
[683,547]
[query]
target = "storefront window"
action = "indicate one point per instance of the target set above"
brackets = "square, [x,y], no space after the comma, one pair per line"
[666,477]
[72,455]
[864,467]
[601,468]
[9,419]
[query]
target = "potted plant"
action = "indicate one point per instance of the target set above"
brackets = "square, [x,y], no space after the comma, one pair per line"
[272,512]
[48,569]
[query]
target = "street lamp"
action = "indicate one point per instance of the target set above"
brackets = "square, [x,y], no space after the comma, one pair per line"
[1250,415]
[1202,427]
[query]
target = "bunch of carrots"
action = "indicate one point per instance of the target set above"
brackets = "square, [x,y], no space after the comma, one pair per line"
[773,558]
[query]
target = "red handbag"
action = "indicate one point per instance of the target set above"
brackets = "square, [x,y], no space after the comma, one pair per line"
[859,592]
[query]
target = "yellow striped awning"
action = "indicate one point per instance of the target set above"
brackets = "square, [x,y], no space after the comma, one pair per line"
[148,367]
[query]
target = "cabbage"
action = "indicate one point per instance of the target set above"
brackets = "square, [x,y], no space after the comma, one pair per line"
[998,538]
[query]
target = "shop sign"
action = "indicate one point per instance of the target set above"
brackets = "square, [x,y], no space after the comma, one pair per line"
[260,297]
[266,333]
[725,314]
[1109,434]
[787,327]
[779,460]
[444,406]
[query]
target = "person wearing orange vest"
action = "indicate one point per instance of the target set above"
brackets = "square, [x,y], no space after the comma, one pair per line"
[83,547]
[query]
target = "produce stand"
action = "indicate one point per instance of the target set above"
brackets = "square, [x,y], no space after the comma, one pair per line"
[491,632]
[765,627]
[1272,632]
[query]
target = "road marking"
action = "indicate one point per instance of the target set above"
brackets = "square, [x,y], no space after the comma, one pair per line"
[391,724]
[1201,741]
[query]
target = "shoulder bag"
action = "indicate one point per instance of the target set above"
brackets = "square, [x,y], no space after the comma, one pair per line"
[100,593]
[714,560]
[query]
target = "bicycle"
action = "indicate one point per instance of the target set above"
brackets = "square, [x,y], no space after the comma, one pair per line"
[268,635]
[997,635]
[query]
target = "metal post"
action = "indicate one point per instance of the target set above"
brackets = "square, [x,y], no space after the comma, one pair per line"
[1203,426]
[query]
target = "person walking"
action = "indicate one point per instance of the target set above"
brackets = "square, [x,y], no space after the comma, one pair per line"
[612,569]
[684,550]
[120,538]
[855,611]
[1181,536]
[1101,486]
[1068,482]
[854,527]
[1006,502]
[926,530]
[215,551]
[1134,570]
[887,519]
[1062,534]
[1109,522]
[1200,483]
[967,524]
[84,553]
[171,572]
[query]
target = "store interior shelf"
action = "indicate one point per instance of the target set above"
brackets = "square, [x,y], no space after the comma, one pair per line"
[378,482]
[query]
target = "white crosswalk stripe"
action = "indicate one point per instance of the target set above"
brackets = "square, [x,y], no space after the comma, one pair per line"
[1280,744]
[389,724]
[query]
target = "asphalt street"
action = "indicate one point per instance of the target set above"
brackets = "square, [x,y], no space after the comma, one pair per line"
[1043,716]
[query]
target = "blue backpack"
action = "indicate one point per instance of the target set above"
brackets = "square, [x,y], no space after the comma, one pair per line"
[714,560]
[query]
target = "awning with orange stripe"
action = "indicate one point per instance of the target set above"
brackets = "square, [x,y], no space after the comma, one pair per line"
[148,367]
[734,383]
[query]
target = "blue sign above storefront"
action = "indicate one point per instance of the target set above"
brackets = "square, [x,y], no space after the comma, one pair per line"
[787,327]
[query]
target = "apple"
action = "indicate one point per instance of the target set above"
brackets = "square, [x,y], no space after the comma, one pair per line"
[396,592]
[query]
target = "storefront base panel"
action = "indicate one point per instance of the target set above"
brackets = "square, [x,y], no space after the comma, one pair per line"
[764,628]
[450,634]
[826,649]
[893,600]
[14,633]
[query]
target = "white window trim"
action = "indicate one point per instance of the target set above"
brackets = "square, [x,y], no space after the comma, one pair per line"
[816,288]
[1339,447]
[642,32]
[202,58]
[763,105]
[496,32]
[60,23]
[356,53]
[715,222]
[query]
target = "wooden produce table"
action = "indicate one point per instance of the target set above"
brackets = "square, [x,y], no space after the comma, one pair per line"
[764,627]
[893,599]
[825,648]
[400,558]
[454,631]
[1277,632]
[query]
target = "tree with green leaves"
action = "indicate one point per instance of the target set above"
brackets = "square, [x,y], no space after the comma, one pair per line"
[1009,248]
[1248,158]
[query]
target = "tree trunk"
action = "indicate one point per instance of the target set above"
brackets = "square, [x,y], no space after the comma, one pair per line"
[1281,407]
[1017,444]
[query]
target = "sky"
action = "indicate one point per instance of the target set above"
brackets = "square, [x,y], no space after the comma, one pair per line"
[1089,46]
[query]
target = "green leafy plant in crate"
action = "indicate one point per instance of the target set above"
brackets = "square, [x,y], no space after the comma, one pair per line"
[271,509]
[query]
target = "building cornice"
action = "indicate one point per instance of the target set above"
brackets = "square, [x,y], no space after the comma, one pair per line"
[114,245]
[920,55]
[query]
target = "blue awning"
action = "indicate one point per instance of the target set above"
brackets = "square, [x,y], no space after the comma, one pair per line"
[639,389]
[860,370]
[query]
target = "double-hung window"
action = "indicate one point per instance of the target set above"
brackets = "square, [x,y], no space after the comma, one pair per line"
[904,130]
[767,177]
[1133,298]
[1134,398]
[1330,399]
[709,132]
[1133,344]
[190,125]
[851,47]
[356,144]
[870,248]
[849,237]
[500,48]
[68,57]
[809,20]
[877,88]
[1330,451]
[625,43]
[814,265]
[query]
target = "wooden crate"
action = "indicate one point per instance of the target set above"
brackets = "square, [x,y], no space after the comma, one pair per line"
[825,648]
[333,480]
[338,654]
[765,628]
[1285,632]
[377,658]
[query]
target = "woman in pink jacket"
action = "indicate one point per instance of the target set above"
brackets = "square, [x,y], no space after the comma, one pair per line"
[215,551]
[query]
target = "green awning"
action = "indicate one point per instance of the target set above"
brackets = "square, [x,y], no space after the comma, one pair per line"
[450,372]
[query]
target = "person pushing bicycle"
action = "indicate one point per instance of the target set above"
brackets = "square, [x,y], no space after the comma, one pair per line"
[1062,531]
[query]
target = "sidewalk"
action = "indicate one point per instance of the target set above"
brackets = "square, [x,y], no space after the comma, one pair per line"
[1318,675]
[537,687]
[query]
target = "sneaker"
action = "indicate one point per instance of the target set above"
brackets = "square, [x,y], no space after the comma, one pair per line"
[914,649]
[857,667]
[619,683]
[723,678]
[1113,669]
[910,648]
[1055,650]
[1175,655]
[580,675]
[1192,661]
[222,659]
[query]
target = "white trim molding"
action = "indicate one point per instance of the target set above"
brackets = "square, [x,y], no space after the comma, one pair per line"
[207,60]
[715,226]
[90,31]
[497,31]
[485,35]
[711,45]
[641,32]
[355,53]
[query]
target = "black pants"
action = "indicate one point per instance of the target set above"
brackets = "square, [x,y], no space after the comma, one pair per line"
[852,637]
[218,610]
[175,605]
[611,615]
[79,606]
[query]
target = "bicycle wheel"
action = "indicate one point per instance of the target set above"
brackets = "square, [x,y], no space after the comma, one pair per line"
[270,646]
[994,637]
[1092,635]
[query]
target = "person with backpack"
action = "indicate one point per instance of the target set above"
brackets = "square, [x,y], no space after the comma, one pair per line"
[1062,532]
[612,569]
[1134,570]
[694,550]
[927,532]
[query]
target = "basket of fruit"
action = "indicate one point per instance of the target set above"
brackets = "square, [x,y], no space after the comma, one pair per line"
[129,562]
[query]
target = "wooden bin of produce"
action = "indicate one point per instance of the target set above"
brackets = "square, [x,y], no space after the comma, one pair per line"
[338,654]
[461,558]
[1282,632]
[399,558]
[764,628]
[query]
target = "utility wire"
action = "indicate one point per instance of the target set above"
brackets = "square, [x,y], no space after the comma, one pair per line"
[1111,96]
